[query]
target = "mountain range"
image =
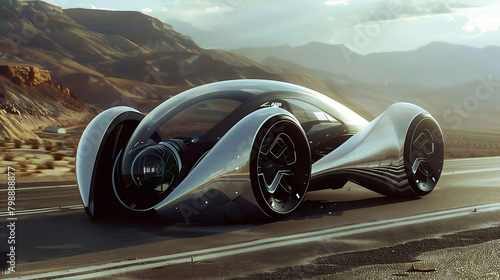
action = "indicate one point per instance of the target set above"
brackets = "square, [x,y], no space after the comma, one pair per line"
[106,58]
[436,64]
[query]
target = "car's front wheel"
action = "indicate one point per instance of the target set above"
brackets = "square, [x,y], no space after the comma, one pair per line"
[280,167]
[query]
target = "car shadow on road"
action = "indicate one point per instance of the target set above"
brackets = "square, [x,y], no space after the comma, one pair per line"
[62,235]
[314,209]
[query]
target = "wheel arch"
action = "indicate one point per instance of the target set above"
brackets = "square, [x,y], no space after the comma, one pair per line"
[96,149]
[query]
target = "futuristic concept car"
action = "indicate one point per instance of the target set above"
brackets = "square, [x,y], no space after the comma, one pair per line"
[247,150]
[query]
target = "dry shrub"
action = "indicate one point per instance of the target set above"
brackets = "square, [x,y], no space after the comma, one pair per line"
[34,144]
[60,145]
[58,156]
[48,146]
[8,157]
[49,164]
[17,143]
[71,144]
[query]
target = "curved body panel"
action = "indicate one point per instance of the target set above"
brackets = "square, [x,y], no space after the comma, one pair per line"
[91,144]
[374,157]
[379,143]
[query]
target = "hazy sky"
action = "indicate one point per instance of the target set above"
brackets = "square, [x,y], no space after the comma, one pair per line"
[364,25]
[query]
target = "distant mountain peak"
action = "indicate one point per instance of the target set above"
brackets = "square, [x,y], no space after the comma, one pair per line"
[315,46]
[137,27]
[428,65]
[491,47]
[323,44]
[441,45]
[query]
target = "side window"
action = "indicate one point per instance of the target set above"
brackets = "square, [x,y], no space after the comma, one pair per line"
[198,118]
[310,117]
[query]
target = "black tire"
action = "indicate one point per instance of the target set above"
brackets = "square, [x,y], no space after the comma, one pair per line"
[423,154]
[280,166]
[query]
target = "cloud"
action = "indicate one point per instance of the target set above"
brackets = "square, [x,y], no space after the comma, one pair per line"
[449,17]
[146,10]
[386,24]
[95,8]
[336,2]
[427,7]
[413,8]
[203,14]
[217,9]
[482,21]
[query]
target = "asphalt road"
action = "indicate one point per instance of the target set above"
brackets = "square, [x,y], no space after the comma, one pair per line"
[347,233]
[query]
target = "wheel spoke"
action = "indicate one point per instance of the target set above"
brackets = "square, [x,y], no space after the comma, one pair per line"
[278,148]
[425,170]
[276,161]
[286,187]
[418,163]
[277,180]
[424,142]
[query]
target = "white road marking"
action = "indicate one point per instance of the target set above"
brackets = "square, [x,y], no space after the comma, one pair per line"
[42,210]
[43,187]
[470,171]
[103,270]
[468,159]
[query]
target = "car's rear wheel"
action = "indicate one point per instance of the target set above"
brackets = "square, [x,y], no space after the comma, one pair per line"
[280,166]
[424,152]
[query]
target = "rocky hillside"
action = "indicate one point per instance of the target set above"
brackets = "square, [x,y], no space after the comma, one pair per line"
[28,76]
[142,31]
[29,99]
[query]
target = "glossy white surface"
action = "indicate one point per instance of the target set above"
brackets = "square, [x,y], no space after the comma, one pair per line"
[88,147]
[379,143]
